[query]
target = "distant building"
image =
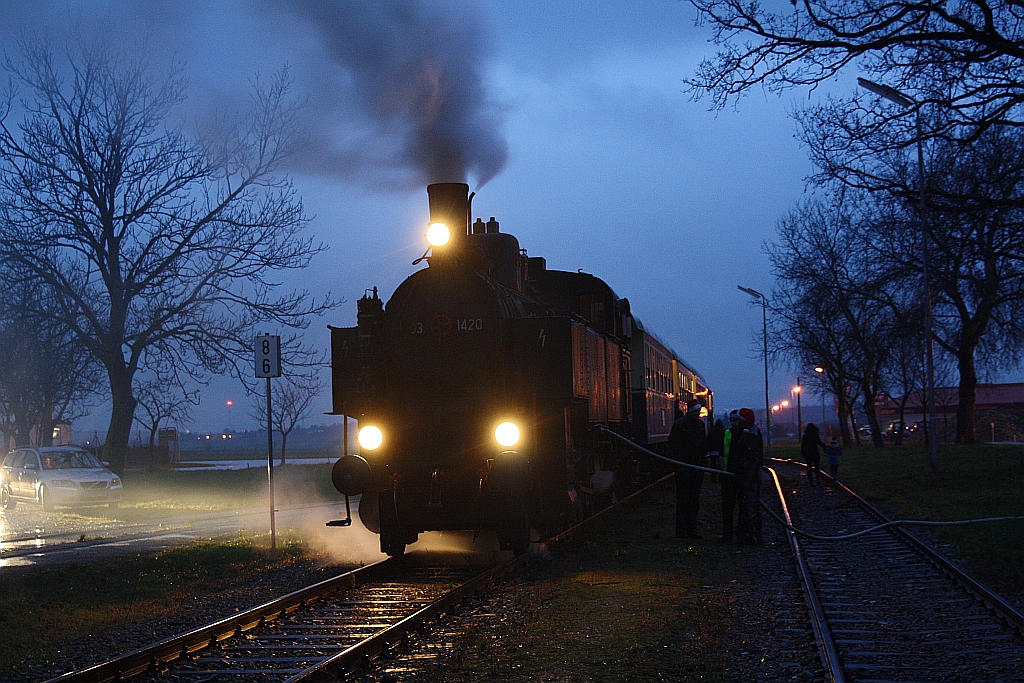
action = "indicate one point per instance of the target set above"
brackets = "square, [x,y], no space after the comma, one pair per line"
[998,410]
[988,397]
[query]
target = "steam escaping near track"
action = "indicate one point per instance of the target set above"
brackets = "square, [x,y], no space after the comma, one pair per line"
[416,69]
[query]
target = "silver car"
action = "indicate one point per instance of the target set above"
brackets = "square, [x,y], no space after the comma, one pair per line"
[57,475]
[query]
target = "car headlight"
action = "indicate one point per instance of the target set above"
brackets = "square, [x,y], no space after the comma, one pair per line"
[507,434]
[370,438]
[115,482]
[63,484]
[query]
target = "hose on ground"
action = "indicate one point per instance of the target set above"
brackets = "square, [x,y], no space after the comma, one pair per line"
[877,527]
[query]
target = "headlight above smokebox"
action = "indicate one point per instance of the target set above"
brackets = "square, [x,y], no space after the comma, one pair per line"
[507,434]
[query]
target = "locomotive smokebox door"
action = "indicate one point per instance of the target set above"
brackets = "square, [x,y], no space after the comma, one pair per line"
[351,475]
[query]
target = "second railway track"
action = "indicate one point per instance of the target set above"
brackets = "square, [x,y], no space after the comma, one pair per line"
[890,610]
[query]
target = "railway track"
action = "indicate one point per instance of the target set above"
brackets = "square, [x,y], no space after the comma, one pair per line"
[314,634]
[317,633]
[886,607]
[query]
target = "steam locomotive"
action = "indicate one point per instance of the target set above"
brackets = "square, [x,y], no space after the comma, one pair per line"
[478,386]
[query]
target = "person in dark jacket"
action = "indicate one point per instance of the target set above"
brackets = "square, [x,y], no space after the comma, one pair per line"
[730,485]
[746,457]
[688,443]
[809,452]
[716,447]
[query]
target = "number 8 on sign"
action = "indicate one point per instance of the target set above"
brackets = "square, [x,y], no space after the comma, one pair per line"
[268,356]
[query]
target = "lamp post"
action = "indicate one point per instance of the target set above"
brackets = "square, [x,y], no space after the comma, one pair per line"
[898,98]
[764,319]
[799,415]
[784,405]
[820,370]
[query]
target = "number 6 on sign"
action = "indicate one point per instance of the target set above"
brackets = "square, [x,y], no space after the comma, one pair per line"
[268,355]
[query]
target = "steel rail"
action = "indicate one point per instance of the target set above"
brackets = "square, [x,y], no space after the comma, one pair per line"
[826,645]
[344,662]
[1007,612]
[993,600]
[169,650]
[185,644]
[334,667]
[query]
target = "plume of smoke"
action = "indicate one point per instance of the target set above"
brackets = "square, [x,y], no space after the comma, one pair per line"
[415,69]
[394,88]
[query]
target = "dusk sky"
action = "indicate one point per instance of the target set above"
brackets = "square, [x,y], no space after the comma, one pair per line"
[610,167]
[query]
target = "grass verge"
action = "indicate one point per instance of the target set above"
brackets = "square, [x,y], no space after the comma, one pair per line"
[41,611]
[972,482]
[623,602]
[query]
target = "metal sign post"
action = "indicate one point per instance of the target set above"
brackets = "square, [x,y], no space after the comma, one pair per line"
[268,364]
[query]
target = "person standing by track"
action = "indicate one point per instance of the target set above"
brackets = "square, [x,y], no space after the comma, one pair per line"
[716,447]
[833,451]
[688,443]
[746,457]
[809,452]
[730,485]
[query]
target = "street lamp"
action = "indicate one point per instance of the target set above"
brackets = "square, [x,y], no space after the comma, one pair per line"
[898,98]
[764,319]
[799,415]
[820,370]
[784,404]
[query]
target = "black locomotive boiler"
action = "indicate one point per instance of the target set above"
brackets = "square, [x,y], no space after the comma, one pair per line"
[478,386]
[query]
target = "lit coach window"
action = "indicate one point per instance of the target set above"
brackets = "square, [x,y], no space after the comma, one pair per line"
[507,434]
[438,234]
[370,437]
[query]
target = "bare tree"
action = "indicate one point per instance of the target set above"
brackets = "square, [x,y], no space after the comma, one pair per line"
[290,403]
[974,223]
[903,374]
[160,403]
[966,54]
[807,328]
[157,248]
[47,377]
[826,274]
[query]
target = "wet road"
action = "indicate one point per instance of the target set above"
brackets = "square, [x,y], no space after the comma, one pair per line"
[30,537]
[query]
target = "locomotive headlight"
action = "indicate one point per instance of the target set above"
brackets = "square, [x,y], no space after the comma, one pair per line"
[370,437]
[438,234]
[507,434]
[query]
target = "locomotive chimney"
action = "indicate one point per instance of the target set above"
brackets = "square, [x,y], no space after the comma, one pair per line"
[449,204]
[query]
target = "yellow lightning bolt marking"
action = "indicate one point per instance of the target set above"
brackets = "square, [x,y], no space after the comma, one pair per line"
[543,338]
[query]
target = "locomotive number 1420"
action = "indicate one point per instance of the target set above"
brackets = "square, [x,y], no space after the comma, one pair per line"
[461,324]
